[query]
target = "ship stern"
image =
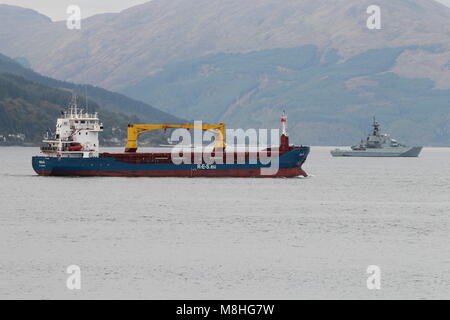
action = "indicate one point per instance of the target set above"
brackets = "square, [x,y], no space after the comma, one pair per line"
[41,166]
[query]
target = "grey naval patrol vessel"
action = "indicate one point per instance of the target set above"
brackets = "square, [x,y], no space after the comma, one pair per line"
[378,145]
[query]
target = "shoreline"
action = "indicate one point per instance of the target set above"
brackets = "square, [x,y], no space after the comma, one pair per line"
[116,146]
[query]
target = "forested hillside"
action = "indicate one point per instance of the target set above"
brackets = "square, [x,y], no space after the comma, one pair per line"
[243,61]
[29,109]
[30,103]
[329,101]
[110,101]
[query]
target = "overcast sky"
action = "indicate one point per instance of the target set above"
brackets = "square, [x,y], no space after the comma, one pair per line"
[56,9]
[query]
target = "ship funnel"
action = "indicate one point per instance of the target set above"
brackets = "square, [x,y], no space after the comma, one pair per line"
[284,139]
[284,123]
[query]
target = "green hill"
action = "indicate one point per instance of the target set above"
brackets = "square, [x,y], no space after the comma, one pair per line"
[242,62]
[29,109]
[110,101]
[30,104]
[330,100]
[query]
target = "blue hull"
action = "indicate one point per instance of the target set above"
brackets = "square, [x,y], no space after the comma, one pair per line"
[290,165]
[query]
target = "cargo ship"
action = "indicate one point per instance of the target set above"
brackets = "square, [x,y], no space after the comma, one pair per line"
[73,150]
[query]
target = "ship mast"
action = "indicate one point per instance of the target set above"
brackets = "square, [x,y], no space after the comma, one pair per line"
[376,127]
[73,106]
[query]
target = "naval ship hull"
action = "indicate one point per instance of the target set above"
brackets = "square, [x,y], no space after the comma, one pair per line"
[160,165]
[412,152]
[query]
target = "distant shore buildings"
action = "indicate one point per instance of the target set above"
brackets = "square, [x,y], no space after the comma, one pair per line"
[12,138]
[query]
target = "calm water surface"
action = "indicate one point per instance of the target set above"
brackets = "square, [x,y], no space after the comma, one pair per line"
[148,238]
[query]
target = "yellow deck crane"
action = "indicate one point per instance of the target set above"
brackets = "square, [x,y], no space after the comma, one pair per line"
[135,130]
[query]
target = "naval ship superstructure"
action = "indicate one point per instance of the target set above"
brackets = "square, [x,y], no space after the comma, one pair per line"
[378,144]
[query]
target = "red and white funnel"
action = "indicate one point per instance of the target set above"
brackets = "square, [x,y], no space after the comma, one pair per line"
[284,123]
[284,139]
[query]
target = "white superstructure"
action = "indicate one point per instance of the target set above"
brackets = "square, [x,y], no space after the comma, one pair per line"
[76,134]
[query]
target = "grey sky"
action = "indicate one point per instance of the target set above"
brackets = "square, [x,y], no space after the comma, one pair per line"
[56,9]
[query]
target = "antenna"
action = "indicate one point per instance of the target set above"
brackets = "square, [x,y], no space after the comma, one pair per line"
[73,105]
[87,103]
[376,127]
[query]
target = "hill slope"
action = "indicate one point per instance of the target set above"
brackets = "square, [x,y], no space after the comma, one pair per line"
[239,60]
[28,110]
[30,104]
[104,53]
[110,101]
[329,102]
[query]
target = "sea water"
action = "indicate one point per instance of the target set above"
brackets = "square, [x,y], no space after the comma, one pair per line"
[175,238]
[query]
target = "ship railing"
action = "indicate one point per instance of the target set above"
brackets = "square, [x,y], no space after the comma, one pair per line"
[49,149]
